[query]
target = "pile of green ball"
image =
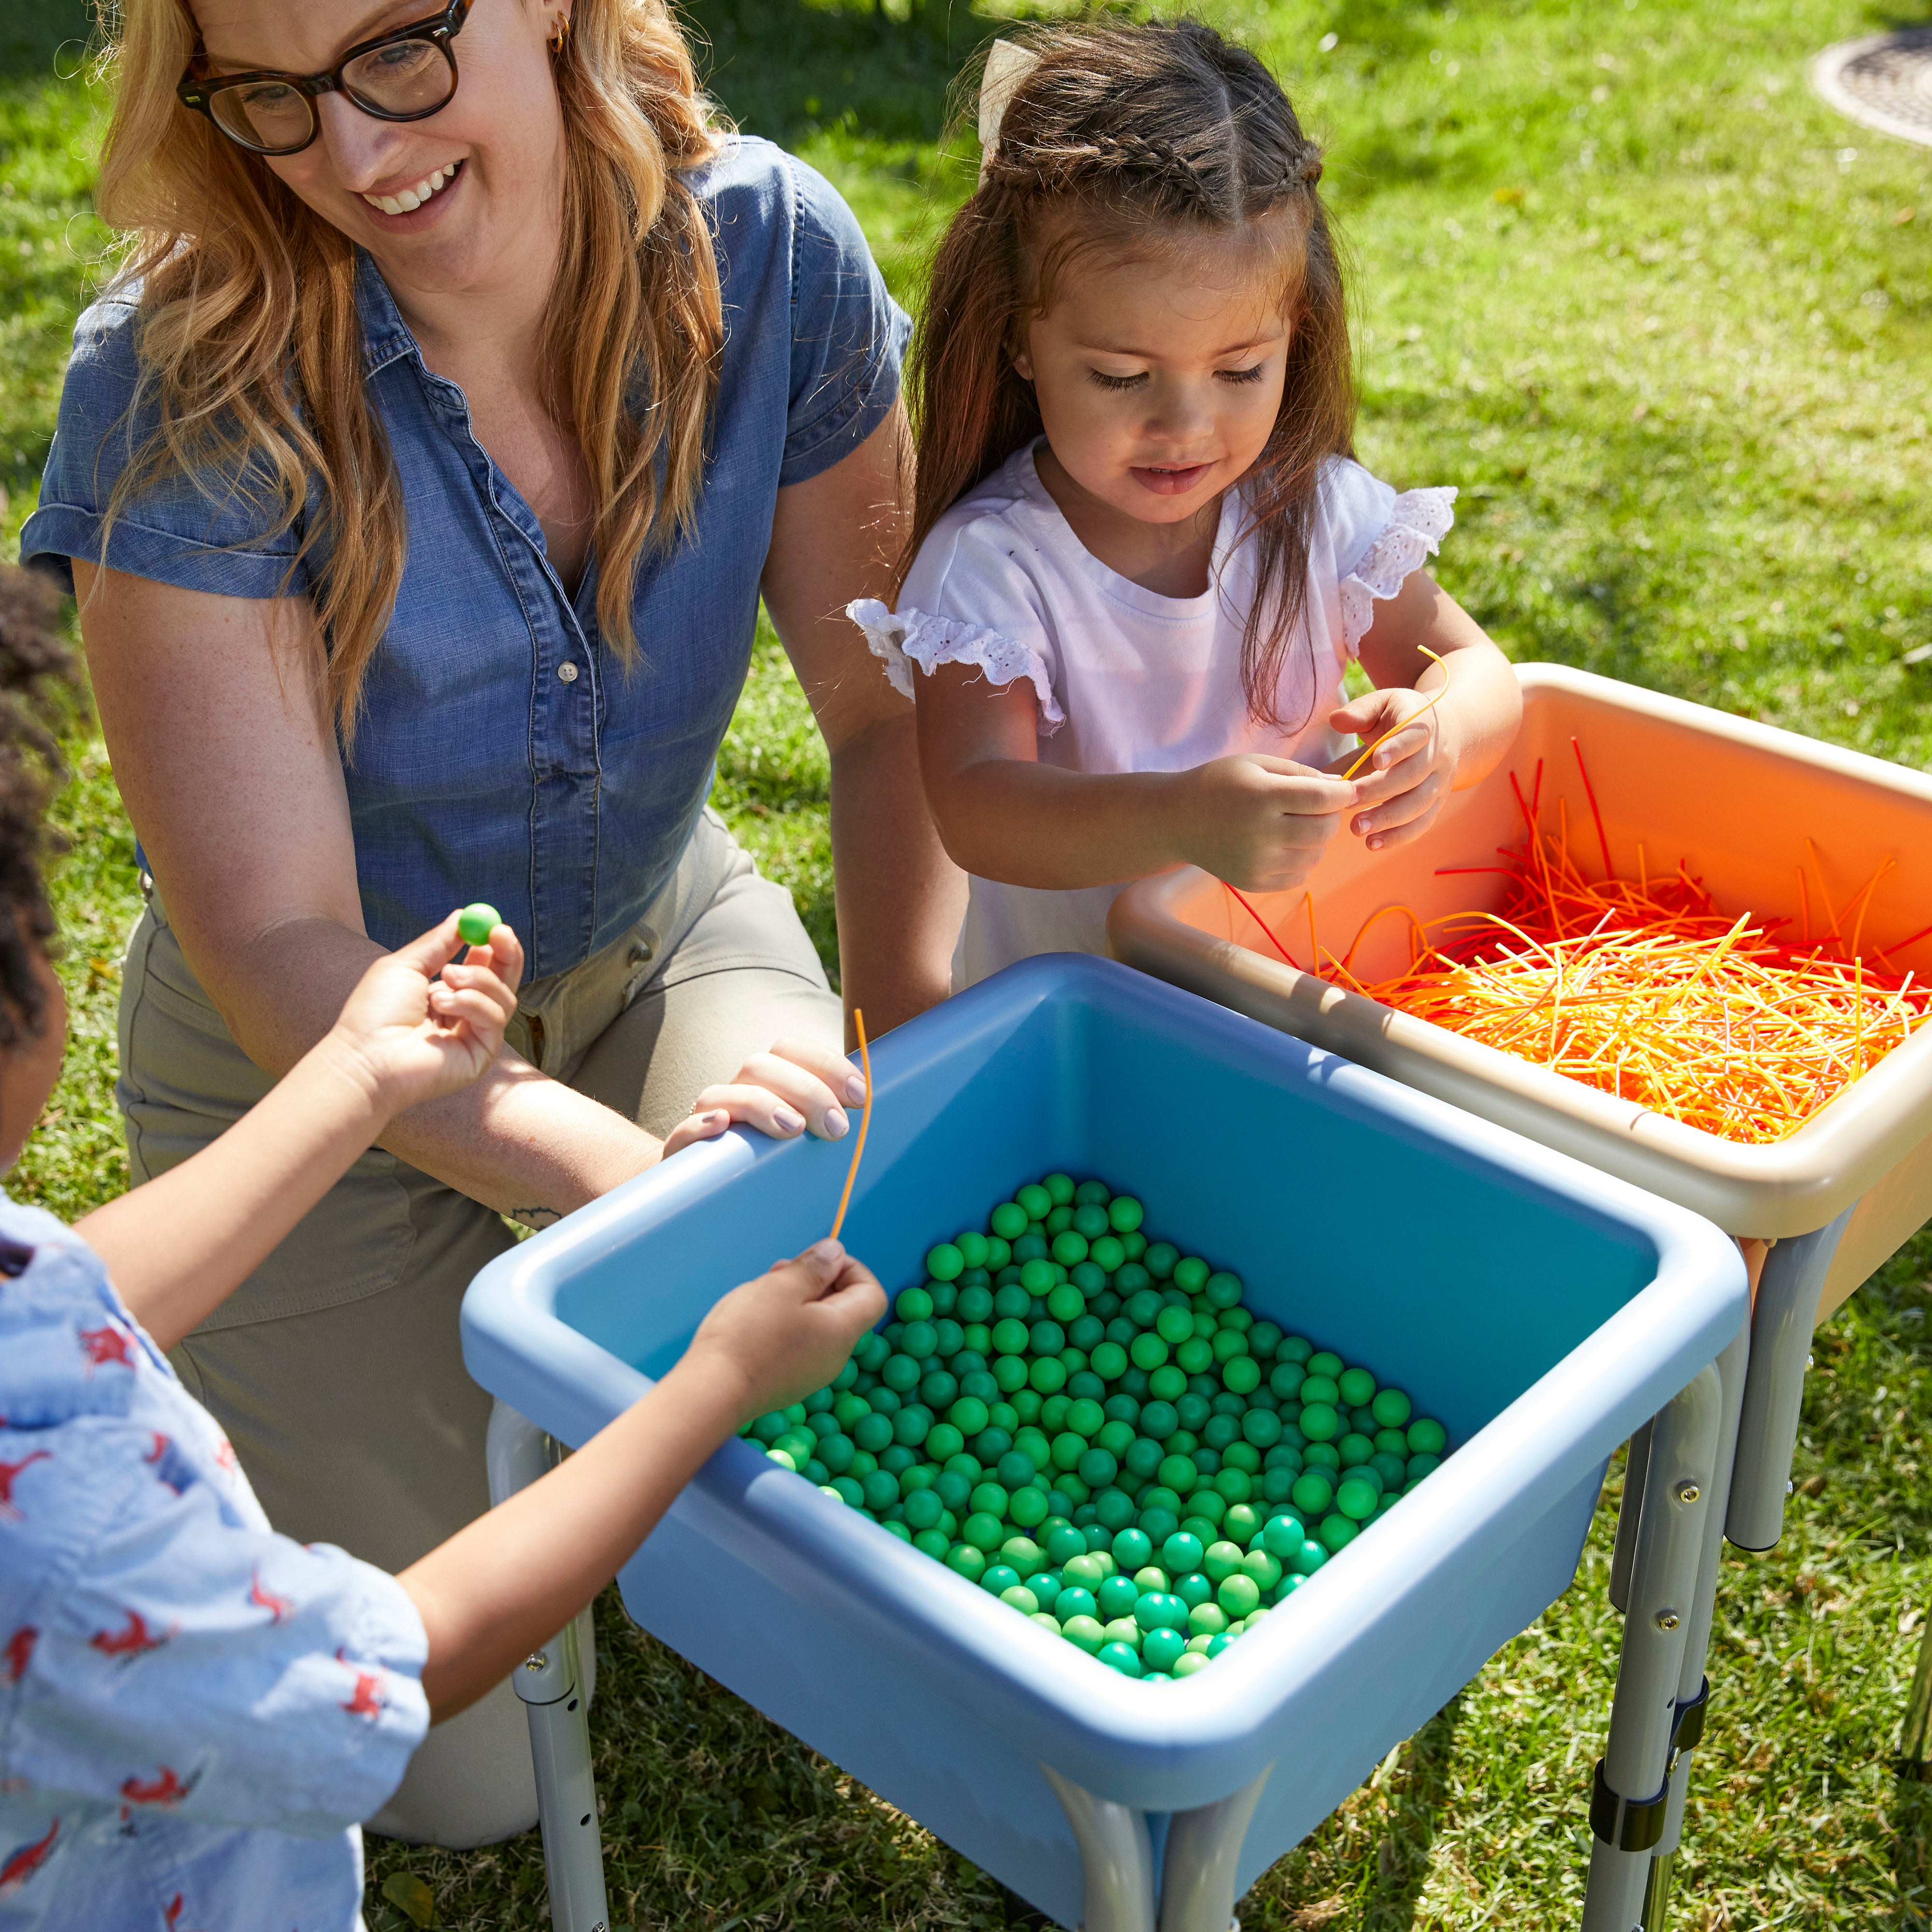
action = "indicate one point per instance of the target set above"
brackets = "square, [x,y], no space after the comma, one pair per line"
[1089,1425]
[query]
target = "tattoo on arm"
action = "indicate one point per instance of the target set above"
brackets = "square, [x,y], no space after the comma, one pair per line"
[534,1217]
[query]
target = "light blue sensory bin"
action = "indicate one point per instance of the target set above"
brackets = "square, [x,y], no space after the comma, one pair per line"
[1541,1309]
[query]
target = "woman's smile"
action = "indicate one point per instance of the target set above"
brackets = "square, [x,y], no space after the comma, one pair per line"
[412,199]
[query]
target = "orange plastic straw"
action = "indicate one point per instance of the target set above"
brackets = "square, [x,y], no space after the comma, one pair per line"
[865,1125]
[1648,992]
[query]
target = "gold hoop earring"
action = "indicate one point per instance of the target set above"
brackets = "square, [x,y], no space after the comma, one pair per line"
[562,35]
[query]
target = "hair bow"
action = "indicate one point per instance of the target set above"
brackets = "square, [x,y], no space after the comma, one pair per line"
[1007,65]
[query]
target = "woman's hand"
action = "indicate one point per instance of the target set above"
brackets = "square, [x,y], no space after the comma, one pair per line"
[421,1024]
[1405,783]
[798,1085]
[789,1331]
[1260,823]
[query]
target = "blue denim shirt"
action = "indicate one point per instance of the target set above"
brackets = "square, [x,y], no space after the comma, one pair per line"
[504,754]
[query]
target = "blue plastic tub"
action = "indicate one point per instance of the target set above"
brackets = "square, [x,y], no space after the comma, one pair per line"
[1541,1309]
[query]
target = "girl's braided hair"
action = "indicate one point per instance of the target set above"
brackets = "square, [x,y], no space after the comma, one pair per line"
[1128,136]
[36,687]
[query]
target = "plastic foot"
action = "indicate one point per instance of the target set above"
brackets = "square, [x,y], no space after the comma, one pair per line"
[1198,1865]
[1116,1858]
[1630,1796]
[552,1683]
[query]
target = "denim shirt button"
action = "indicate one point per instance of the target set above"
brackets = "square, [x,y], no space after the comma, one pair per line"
[566,673]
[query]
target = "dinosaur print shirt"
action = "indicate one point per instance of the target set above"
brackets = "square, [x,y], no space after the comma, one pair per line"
[194,1711]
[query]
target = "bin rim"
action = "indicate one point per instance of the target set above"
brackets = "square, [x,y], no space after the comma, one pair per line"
[1788,1187]
[1076,1710]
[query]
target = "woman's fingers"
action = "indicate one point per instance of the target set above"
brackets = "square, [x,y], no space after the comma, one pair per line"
[841,1077]
[814,1100]
[758,1106]
[696,1127]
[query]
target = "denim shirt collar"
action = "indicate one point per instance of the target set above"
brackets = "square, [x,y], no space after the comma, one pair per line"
[385,335]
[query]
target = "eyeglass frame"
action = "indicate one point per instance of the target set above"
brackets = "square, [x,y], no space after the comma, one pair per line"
[198,92]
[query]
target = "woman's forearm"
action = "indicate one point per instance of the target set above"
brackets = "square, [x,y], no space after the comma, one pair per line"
[900,899]
[517,1141]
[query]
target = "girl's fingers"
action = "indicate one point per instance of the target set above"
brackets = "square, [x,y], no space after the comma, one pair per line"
[467,977]
[482,1012]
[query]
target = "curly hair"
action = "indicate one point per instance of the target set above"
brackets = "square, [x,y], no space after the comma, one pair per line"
[38,688]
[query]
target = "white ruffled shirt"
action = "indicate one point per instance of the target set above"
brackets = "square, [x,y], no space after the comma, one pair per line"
[1128,680]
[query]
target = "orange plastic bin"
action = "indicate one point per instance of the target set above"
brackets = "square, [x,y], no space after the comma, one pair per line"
[1736,801]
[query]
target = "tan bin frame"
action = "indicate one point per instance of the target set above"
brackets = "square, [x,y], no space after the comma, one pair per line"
[1735,801]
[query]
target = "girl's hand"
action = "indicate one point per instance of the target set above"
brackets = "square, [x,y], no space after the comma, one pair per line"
[1260,823]
[417,1037]
[798,1085]
[789,1331]
[1409,779]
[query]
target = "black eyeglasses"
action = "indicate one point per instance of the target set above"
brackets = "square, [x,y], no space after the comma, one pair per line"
[407,75]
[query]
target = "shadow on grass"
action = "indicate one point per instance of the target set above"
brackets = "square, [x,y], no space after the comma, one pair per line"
[1912,1849]
[1416,1807]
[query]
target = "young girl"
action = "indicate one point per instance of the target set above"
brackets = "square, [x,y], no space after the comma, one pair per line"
[1143,556]
[194,1711]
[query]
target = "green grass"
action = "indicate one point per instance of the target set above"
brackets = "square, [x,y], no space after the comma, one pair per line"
[1661,314]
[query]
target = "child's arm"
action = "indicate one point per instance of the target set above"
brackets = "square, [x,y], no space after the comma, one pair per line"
[1461,740]
[179,1246]
[508,1583]
[1260,823]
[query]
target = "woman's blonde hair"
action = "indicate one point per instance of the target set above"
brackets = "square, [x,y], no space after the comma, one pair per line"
[251,344]
[1126,138]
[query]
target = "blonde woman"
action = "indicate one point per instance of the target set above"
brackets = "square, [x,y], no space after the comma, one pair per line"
[466,387]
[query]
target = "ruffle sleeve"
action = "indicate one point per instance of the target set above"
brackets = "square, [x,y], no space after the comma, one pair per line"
[1418,520]
[908,637]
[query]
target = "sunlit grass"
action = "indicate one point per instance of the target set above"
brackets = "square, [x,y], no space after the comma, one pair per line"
[1667,321]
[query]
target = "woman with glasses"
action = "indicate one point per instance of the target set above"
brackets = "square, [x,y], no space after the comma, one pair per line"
[467,387]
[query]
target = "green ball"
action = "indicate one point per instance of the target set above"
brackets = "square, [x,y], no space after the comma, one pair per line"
[1070,1246]
[1121,1656]
[914,1304]
[945,1262]
[1238,1593]
[1319,1388]
[1190,1274]
[1117,1596]
[1182,1553]
[1106,1254]
[1109,1361]
[1009,1220]
[1319,1422]
[969,1415]
[1311,1494]
[1241,1374]
[1131,1548]
[1357,1387]
[474,923]
[1222,1290]
[1029,1507]
[1087,1632]
[999,1577]
[1161,1650]
[1161,1260]
[1427,1437]
[983,1530]
[1168,1383]
[1282,1536]
[1066,1302]
[1187,1664]
[1221,1560]
[1337,1532]
[968,1559]
[1064,1544]
[1148,1351]
[1308,1558]
[1022,1599]
[1175,1325]
[1124,1214]
[1037,1276]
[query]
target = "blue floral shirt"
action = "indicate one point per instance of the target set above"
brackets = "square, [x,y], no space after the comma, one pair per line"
[194,1711]
[504,753]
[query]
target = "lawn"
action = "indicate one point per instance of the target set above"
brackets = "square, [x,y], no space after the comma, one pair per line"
[1668,323]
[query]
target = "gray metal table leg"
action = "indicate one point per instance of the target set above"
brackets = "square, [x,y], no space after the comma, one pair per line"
[1914,1743]
[1198,1866]
[1624,1554]
[1630,1789]
[1694,1686]
[1116,1856]
[553,1686]
[1781,1325]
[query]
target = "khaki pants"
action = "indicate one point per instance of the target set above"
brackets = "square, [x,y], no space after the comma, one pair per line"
[336,1369]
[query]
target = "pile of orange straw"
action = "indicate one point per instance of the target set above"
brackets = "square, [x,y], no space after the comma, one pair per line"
[1646,991]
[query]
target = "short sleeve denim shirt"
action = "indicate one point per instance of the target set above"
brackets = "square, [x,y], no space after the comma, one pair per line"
[503,753]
